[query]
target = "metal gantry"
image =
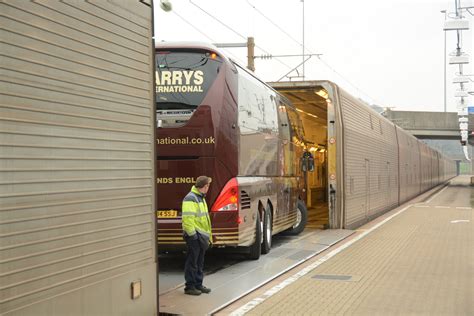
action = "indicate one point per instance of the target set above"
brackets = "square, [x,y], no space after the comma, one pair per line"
[457,21]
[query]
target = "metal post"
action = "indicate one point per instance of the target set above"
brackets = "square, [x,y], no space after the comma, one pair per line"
[251,53]
[250,50]
[445,66]
[303,38]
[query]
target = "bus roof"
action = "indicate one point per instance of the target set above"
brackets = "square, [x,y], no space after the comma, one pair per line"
[190,45]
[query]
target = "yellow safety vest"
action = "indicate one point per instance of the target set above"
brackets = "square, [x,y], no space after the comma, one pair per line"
[195,216]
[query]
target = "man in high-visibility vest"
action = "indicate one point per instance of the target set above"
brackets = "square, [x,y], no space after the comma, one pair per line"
[197,234]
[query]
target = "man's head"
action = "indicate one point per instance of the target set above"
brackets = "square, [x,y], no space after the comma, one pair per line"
[202,184]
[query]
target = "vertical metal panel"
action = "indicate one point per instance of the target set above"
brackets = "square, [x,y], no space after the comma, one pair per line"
[77,157]
[441,168]
[369,140]
[451,168]
[415,166]
[437,171]
[426,167]
[403,147]
[409,165]
[434,167]
[337,188]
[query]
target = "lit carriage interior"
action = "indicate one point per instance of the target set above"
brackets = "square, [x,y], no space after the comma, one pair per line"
[312,107]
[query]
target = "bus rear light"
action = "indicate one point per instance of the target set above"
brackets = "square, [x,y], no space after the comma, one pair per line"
[239,220]
[228,199]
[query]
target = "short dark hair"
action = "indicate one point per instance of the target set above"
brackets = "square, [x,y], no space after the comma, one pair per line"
[201,181]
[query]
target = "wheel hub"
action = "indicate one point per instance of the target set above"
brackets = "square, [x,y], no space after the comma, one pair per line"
[298,218]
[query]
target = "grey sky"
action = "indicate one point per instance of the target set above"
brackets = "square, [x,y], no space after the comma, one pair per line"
[388,52]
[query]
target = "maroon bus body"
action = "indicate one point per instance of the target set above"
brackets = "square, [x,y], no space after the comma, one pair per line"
[208,144]
[212,122]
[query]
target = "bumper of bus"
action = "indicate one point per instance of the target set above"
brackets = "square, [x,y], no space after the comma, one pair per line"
[225,232]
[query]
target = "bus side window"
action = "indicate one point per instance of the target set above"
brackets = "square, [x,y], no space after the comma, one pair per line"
[286,154]
[296,125]
[284,122]
[257,108]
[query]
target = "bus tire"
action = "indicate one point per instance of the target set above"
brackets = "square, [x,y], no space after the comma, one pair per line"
[267,231]
[256,248]
[301,221]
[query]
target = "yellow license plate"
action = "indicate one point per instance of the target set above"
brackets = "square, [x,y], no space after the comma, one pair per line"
[167,214]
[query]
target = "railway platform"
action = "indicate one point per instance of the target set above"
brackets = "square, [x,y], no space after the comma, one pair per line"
[417,259]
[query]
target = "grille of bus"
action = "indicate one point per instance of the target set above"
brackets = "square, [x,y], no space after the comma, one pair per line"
[226,236]
[283,222]
[170,237]
[244,200]
[222,236]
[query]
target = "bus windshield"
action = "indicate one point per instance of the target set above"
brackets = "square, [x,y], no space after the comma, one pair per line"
[184,77]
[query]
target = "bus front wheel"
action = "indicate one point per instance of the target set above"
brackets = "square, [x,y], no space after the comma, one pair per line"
[301,219]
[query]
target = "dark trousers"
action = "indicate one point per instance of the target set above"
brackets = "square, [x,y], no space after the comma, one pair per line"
[193,268]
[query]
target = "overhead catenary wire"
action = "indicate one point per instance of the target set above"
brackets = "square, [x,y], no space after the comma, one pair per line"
[347,80]
[192,25]
[276,25]
[235,32]
[306,49]
[204,34]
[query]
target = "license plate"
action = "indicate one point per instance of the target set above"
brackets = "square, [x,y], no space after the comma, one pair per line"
[167,214]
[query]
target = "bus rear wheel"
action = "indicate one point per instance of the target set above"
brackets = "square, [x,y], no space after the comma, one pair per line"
[256,248]
[267,231]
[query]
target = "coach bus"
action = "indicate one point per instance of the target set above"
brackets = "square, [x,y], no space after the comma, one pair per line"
[217,119]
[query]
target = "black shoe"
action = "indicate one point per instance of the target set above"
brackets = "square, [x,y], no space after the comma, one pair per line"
[192,291]
[204,289]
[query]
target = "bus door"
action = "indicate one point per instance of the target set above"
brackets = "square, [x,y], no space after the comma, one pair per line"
[285,153]
[298,188]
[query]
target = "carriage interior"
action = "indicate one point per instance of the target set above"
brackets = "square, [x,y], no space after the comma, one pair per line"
[312,106]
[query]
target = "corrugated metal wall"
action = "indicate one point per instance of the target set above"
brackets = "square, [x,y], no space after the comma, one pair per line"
[449,168]
[409,165]
[76,157]
[370,162]
[425,166]
[434,167]
[441,168]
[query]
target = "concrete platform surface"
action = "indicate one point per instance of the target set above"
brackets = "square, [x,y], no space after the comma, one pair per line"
[233,282]
[418,261]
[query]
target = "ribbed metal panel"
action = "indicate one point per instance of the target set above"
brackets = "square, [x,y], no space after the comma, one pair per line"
[441,168]
[76,158]
[437,174]
[425,166]
[434,167]
[449,168]
[370,162]
[244,200]
[409,165]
